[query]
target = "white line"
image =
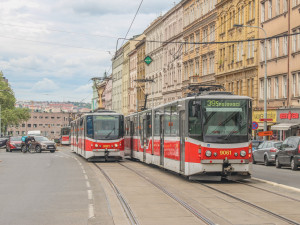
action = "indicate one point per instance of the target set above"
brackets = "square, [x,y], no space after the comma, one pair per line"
[88,184]
[91,211]
[276,184]
[86,177]
[83,170]
[90,194]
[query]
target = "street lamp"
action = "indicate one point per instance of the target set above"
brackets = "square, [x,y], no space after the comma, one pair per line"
[265,78]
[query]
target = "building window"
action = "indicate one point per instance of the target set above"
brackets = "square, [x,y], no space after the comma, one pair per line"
[284,86]
[211,63]
[294,42]
[261,89]
[241,87]
[277,7]
[269,49]
[262,18]
[294,85]
[285,43]
[269,88]
[29,125]
[276,88]
[212,32]
[23,125]
[204,65]
[34,125]
[299,84]
[204,35]
[262,51]
[197,67]
[269,9]
[285,5]
[277,47]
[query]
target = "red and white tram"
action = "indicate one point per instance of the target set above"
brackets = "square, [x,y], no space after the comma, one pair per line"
[98,136]
[65,133]
[203,137]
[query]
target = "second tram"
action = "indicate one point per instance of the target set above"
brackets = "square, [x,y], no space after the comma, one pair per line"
[65,135]
[98,136]
[203,137]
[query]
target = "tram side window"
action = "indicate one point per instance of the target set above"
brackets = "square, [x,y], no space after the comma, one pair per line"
[167,122]
[135,126]
[149,122]
[89,127]
[156,123]
[121,130]
[194,119]
[127,126]
[174,121]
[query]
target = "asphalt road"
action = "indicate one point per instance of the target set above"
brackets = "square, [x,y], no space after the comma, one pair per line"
[283,175]
[43,188]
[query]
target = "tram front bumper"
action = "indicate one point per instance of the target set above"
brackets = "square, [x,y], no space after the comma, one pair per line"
[107,153]
[228,166]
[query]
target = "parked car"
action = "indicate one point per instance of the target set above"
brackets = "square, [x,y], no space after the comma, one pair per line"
[14,143]
[289,153]
[40,143]
[3,142]
[265,152]
[255,144]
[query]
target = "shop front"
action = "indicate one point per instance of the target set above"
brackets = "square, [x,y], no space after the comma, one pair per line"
[288,123]
[258,115]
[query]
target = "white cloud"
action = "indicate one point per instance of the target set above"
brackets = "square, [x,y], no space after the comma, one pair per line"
[45,85]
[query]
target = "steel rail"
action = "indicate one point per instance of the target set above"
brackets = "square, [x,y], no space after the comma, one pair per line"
[181,202]
[252,205]
[272,192]
[129,213]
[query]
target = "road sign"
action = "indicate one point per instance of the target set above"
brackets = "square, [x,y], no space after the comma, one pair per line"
[268,119]
[148,60]
[265,133]
[254,125]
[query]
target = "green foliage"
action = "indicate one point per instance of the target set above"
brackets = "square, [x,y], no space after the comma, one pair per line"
[9,114]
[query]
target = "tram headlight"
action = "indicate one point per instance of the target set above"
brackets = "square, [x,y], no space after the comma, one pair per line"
[96,145]
[243,153]
[215,154]
[116,145]
[236,154]
[208,153]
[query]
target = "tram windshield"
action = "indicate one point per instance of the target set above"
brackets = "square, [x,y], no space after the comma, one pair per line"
[104,127]
[65,131]
[221,121]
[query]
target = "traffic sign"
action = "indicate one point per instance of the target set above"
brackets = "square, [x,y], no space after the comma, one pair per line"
[254,125]
[265,133]
[148,60]
[268,119]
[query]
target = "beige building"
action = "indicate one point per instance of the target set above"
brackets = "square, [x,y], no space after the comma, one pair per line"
[279,18]
[199,26]
[140,51]
[117,73]
[48,123]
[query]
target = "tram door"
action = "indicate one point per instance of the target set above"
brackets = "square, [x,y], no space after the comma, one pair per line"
[182,140]
[161,130]
[131,138]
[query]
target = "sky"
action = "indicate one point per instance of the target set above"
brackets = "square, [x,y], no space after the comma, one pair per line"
[50,49]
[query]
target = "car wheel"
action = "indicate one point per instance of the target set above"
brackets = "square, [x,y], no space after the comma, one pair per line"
[266,161]
[277,164]
[253,160]
[293,164]
[38,149]
[52,151]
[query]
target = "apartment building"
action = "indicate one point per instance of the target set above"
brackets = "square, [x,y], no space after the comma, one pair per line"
[48,123]
[237,62]
[140,51]
[200,18]
[132,89]
[117,73]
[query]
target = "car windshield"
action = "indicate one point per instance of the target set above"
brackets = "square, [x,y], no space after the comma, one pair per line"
[16,138]
[41,139]
[278,144]
[65,131]
[255,144]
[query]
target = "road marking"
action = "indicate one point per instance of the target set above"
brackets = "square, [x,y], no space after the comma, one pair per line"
[91,211]
[277,184]
[86,177]
[90,194]
[88,184]
[83,170]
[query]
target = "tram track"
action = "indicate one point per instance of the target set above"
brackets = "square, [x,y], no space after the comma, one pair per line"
[282,218]
[129,213]
[195,212]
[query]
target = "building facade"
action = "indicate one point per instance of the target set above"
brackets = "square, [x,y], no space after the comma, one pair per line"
[199,27]
[140,51]
[107,94]
[117,71]
[237,62]
[48,123]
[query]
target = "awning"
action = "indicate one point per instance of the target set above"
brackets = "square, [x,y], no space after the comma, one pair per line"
[284,126]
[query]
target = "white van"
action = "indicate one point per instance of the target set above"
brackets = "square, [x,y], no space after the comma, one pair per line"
[34,133]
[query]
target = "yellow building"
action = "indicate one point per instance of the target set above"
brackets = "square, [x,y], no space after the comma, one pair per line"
[140,48]
[199,64]
[237,62]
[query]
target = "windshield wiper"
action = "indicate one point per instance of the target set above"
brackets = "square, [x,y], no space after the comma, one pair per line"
[110,132]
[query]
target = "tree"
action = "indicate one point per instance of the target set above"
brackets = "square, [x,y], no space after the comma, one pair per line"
[10,115]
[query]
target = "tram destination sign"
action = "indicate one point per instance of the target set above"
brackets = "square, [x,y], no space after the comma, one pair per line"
[222,103]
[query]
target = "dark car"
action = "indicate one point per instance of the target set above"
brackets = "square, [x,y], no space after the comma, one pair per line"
[3,142]
[289,153]
[14,143]
[265,152]
[40,143]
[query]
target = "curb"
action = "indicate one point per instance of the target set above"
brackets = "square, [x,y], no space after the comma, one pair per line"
[276,184]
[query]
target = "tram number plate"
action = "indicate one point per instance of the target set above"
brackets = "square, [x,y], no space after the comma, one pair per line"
[106,146]
[225,152]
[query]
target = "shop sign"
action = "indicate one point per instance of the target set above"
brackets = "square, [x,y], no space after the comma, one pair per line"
[271,114]
[289,115]
[265,133]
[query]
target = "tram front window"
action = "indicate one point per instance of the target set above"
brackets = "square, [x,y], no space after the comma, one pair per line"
[106,127]
[225,121]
